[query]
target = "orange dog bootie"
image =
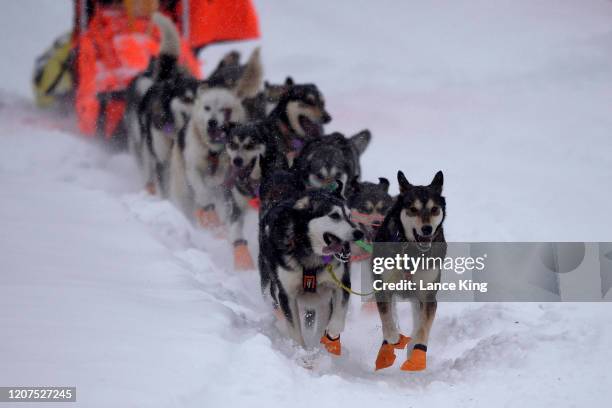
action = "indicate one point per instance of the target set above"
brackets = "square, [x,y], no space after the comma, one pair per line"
[207,217]
[242,258]
[417,360]
[386,354]
[150,187]
[332,346]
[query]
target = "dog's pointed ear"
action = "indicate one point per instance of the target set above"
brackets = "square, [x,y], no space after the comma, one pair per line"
[361,140]
[437,182]
[289,81]
[404,185]
[252,77]
[302,204]
[384,183]
[231,58]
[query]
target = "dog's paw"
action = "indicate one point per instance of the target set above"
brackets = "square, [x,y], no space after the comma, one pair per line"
[333,346]
[386,354]
[417,360]
[207,218]
[242,258]
[151,188]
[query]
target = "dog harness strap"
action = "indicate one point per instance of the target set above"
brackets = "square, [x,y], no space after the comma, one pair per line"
[297,144]
[309,280]
[366,218]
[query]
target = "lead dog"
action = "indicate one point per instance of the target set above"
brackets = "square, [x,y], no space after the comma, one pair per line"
[415,224]
[298,239]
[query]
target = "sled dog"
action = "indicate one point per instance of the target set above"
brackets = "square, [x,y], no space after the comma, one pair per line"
[324,160]
[262,104]
[200,164]
[247,147]
[298,117]
[369,204]
[165,107]
[299,238]
[414,222]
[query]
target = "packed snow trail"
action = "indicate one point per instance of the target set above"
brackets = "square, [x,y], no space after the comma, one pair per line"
[110,290]
[113,291]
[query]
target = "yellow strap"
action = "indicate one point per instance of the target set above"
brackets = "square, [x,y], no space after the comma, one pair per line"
[330,269]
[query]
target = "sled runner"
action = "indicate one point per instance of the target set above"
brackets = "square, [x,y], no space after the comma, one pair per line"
[114,40]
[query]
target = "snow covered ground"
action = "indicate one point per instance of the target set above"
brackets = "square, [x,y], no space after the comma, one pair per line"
[110,290]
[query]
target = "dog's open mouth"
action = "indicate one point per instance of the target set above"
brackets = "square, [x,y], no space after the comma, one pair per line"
[311,129]
[217,135]
[242,172]
[341,250]
[423,243]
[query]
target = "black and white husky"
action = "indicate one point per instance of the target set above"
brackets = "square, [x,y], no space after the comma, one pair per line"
[157,104]
[166,106]
[299,238]
[200,164]
[414,223]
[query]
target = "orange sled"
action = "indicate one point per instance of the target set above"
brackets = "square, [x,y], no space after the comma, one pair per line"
[114,40]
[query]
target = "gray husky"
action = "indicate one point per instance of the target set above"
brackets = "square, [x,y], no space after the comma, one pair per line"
[325,160]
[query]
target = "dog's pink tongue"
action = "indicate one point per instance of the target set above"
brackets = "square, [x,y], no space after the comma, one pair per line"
[333,248]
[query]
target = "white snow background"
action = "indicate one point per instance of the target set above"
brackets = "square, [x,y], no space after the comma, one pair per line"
[112,291]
